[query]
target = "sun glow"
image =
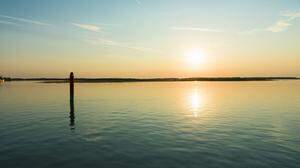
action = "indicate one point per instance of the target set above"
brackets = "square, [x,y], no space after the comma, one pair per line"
[195,57]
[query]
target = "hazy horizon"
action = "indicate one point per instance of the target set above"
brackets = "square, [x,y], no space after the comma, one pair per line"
[150,38]
[132,77]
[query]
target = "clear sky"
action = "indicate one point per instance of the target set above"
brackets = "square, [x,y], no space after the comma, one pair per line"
[149,38]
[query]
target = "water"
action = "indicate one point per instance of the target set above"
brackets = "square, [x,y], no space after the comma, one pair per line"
[184,124]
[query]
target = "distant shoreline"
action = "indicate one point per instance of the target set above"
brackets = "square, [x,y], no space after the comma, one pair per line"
[120,80]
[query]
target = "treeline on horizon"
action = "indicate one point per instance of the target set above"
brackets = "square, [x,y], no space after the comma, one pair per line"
[102,80]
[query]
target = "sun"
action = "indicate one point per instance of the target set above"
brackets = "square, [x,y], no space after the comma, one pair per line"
[195,57]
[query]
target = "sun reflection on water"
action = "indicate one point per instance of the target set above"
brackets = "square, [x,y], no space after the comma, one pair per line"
[195,102]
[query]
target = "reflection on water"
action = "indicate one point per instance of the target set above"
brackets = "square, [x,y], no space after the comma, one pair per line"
[196,102]
[240,124]
[72,113]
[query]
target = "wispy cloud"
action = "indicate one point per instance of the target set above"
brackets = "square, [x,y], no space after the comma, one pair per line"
[140,48]
[25,20]
[138,2]
[196,29]
[107,42]
[280,26]
[110,24]
[286,20]
[101,41]
[87,27]
[251,31]
[8,23]
[290,15]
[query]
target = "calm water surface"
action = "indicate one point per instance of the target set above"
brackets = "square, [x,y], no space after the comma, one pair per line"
[185,124]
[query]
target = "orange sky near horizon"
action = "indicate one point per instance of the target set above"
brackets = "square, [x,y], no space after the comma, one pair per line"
[153,38]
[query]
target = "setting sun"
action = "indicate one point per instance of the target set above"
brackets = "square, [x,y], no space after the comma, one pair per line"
[149,83]
[194,58]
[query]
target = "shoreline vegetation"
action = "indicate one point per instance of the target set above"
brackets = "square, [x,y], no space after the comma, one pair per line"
[119,80]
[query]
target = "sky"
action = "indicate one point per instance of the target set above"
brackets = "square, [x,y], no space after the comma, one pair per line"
[149,38]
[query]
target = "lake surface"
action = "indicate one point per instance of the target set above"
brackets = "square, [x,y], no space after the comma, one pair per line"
[176,125]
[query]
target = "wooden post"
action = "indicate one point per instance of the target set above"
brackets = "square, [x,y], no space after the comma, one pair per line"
[71,85]
[72,114]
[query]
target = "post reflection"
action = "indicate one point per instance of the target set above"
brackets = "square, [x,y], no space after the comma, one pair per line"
[72,113]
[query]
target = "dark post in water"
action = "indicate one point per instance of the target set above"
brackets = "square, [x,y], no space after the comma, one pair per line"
[72,114]
[71,85]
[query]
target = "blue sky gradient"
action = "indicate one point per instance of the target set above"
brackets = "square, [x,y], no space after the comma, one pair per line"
[149,38]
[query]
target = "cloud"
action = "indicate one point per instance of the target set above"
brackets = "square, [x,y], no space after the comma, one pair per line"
[9,23]
[109,24]
[251,31]
[196,29]
[87,27]
[138,2]
[139,48]
[106,42]
[290,15]
[100,41]
[280,26]
[286,20]
[25,20]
